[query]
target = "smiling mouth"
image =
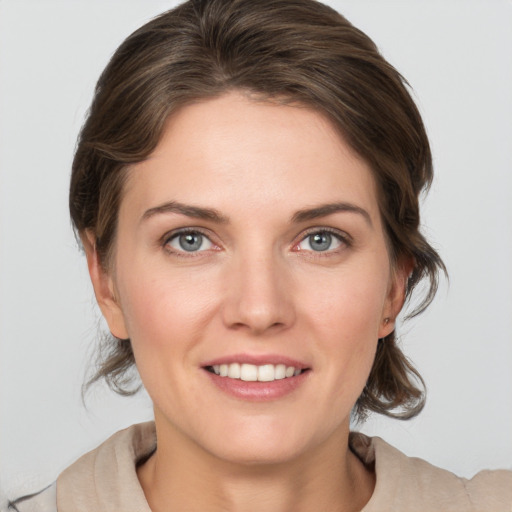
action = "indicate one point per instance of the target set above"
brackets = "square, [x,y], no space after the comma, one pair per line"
[255,373]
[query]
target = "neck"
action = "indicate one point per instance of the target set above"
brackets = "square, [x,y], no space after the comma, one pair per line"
[182,476]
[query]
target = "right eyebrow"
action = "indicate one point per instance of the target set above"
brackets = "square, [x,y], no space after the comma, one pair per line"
[196,212]
[328,209]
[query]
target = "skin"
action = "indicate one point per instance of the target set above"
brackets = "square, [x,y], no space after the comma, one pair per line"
[256,287]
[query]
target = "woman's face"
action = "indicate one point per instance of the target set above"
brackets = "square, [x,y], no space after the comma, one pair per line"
[250,243]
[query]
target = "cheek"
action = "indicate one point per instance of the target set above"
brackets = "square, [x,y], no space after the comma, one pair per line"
[349,304]
[163,308]
[166,319]
[345,315]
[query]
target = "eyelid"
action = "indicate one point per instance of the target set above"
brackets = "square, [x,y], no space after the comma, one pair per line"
[341,235]
[170,235]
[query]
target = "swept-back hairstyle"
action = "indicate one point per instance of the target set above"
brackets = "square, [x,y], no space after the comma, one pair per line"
[286,51]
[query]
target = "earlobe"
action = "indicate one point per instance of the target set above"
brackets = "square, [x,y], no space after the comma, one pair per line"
[104,289]
[396,297]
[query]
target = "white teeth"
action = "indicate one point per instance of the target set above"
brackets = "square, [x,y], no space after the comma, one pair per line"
[249,372]
[280,371]
[266,373]
[253,373]
[234,371]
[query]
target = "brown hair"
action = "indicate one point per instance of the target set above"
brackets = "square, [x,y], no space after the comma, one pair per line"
[279,50]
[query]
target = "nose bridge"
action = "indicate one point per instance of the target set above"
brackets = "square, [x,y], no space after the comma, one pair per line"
[258,295]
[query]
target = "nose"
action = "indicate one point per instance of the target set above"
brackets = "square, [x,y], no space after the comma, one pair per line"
[259,296]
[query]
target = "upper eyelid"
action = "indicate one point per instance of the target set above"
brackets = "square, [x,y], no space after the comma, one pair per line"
[343,235]
[169,235]
[164,242]
[339,233]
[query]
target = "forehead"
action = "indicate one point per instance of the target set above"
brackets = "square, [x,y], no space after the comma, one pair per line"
[229,149]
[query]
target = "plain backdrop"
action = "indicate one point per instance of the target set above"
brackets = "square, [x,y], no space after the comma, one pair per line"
[457,56]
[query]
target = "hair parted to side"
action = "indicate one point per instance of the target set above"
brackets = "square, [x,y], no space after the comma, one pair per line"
[286,51]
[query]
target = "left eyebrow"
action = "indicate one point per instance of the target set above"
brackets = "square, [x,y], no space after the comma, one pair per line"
[195,212]
[328,209]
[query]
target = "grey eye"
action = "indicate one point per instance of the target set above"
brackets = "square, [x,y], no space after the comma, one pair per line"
[320,241]
[190,242]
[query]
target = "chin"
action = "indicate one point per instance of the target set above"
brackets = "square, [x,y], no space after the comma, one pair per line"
[263,444]
[258,454]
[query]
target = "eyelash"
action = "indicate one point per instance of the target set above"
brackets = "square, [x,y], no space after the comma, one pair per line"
[169,237]
[341,236]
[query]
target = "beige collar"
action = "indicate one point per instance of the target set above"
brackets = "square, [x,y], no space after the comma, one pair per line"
[105,479]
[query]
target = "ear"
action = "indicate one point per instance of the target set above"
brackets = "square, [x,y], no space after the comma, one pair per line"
[104,289]
[396,296]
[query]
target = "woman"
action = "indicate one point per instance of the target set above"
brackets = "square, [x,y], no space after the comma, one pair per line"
[246,191]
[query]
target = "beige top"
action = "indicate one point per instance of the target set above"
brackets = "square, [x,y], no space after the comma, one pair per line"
[105,479]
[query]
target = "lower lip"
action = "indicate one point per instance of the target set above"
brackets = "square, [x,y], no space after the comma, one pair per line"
[258,391]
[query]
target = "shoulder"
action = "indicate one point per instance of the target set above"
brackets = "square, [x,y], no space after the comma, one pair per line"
[491,490]
[43,501]
[106,478]
[407,483]
[103,479]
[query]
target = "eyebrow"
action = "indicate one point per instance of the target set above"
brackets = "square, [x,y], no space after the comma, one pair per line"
[195,212]
[198,212]
[328,209]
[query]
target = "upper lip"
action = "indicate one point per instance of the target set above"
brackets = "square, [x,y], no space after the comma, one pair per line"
[257,360]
